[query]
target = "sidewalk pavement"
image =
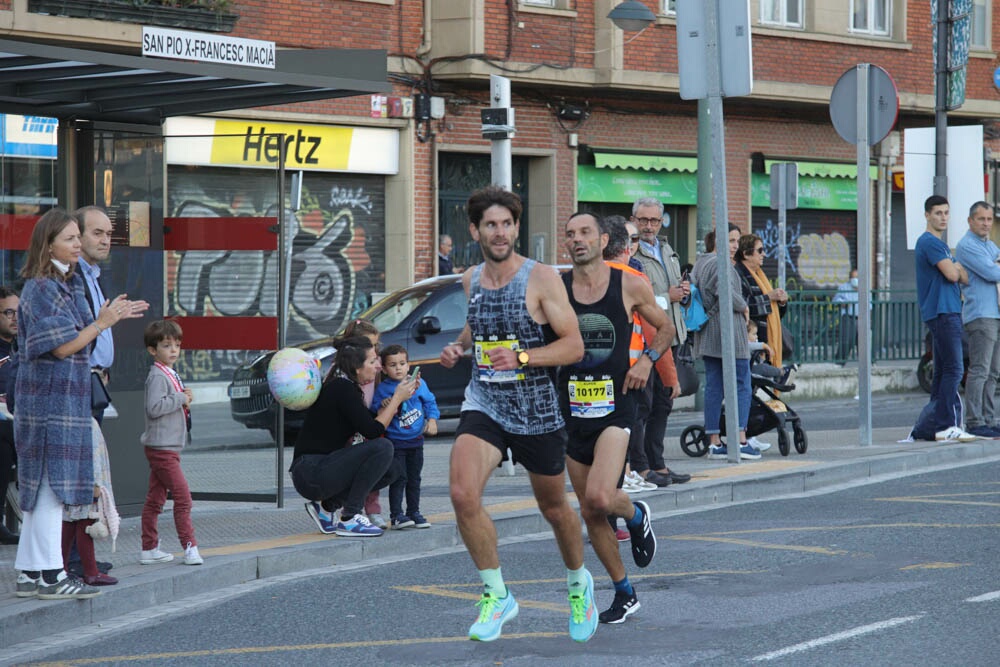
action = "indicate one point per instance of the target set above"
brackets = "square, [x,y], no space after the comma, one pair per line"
[244,542]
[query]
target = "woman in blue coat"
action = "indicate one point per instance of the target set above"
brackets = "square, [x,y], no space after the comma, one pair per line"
[52,425]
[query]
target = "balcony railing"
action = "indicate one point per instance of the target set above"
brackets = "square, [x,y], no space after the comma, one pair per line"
[210,15]
[815,322]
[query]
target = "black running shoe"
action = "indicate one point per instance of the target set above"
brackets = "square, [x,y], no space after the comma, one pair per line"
[622,606]
[642,537]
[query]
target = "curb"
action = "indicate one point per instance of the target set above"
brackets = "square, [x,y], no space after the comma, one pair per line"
[26,620]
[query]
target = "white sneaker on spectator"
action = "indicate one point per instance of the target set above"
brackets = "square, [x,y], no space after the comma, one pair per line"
[636,480]
[378,521]
[191,555]
[759,444]
[156,555]
[955,433]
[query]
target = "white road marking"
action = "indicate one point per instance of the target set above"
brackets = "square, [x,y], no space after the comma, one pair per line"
[839,636]
[985,597]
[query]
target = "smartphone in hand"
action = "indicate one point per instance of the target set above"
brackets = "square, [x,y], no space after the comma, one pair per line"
[415,373]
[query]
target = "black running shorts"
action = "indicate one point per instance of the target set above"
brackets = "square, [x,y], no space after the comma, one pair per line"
[582,437]
[543,454]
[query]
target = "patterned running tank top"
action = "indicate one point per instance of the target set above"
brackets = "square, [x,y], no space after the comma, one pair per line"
[592,387]
[522,401]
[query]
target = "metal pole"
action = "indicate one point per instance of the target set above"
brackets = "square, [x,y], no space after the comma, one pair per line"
[864,261]
[704,224]
[284,281]
[721,210]
[782,224]
[501,173]
[500,149]
[941,102]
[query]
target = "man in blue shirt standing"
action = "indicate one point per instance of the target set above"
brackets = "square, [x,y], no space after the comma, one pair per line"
[981,318]
[938,277]
[95,247]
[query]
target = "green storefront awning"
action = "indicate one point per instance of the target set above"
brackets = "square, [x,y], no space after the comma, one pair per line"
[824,169]
[624,186]
[625,177]
[645,162]
[833,194]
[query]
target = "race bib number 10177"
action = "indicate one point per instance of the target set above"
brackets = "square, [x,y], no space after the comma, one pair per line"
[591,398]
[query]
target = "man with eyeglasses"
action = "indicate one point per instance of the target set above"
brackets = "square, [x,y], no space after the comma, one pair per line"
[9,302]
[661,264]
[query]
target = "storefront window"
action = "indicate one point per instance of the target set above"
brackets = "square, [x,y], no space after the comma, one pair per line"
[27,184]
[338,248]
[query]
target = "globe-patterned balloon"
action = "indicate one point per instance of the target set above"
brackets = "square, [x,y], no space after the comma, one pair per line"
[294,378]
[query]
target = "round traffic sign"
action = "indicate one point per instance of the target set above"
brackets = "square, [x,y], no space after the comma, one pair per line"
[996,77]
[883,105]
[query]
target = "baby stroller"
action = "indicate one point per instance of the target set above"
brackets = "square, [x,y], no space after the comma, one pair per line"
[766,413]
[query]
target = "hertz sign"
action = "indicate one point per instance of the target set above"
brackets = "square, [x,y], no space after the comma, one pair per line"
[306,147]
[260,143]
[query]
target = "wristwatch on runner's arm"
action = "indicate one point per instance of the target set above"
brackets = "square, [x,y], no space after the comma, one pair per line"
[523,358]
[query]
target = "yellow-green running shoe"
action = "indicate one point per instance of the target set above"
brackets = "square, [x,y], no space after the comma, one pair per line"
[582,613]
[493,613]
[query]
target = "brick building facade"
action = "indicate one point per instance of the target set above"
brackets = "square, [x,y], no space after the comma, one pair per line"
[598,116]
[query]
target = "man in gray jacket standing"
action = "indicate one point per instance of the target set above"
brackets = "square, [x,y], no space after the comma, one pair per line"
[662,266]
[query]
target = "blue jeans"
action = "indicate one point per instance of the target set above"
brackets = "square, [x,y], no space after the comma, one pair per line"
[714,392]
[944,410]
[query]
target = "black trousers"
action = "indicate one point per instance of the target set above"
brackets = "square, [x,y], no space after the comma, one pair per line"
[411,461]
[8,457]
[343,478]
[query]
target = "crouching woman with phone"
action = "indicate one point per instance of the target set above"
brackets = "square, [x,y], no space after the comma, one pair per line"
[342,453]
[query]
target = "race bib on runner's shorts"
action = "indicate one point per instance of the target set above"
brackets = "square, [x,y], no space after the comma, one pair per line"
[590,398]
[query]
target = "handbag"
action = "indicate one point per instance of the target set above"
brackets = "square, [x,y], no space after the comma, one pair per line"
[687,377]
[99,397]
[694,313]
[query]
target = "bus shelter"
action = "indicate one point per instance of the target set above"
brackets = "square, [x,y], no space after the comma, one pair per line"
[110,110]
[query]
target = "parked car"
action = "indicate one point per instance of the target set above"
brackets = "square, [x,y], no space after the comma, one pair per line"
[422,318]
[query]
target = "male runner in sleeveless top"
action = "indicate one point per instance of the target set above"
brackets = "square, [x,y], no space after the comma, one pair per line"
[598,398]
[520,326]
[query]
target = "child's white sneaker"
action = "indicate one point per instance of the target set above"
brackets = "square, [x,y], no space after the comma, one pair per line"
[155,556]
[191,555]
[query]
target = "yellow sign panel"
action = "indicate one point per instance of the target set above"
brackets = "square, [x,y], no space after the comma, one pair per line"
[258,144]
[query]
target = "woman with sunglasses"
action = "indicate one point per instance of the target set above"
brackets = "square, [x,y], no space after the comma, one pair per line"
[750,266]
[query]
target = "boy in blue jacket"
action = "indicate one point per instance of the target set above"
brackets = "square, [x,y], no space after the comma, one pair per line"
[417,416]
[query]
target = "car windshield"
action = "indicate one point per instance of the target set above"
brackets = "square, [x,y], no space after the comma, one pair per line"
[389,312]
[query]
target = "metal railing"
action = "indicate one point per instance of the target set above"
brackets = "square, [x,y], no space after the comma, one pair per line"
[824,331]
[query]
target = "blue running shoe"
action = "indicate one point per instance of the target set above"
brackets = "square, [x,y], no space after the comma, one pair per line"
[749,452]
[582,613]
[718,452]
[358,526]
[493,613]
[324,520]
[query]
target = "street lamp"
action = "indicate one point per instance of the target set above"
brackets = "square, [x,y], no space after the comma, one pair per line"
[632,16]
[703,30]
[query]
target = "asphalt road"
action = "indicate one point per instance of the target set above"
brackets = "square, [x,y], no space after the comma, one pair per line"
[905,571]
